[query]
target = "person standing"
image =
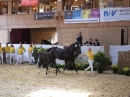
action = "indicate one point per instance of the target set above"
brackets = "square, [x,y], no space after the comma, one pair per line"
[34,47]
[12,53]
[79,38]
[7,51]
[1,54]
[23,52]
[90,55]
[30,50]
[20,55]
[40,50]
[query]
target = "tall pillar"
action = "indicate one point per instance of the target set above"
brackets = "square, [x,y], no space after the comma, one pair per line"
[126,3]
[59,5]
[9,7]
[97,3]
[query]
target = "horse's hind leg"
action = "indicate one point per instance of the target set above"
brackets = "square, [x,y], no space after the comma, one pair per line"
[39,66]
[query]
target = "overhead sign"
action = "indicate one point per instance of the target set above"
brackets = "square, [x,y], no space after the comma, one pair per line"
[114,14]
[82,16]
[29,2]
[44,15]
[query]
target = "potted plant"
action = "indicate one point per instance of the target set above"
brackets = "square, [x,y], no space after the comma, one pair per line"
[85,65]
[120,72]
[114,68]
[78,66]
[126,71]
[95,66]
[102,60]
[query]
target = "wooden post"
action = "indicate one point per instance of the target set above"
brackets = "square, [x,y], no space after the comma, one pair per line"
[84,4]
[97,3]
[38,6]
[59,6]
[126,3]
[9,7]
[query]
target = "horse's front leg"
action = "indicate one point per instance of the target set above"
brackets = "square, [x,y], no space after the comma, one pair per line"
[65,65]
[47,68]
[75,67]
[56,68]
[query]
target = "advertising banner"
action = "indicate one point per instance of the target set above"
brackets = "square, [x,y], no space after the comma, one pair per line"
[29,2]
[44,15]
[82,16]
[114,14]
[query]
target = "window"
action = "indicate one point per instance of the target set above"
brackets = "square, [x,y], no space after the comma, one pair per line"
[45,5]
[18,9]
[3,7]
[110,3]
[76,4]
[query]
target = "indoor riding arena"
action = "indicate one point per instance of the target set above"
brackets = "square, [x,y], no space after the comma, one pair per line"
[24,81]
[91,35]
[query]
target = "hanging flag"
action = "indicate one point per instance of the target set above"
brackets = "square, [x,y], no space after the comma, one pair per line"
[29,2]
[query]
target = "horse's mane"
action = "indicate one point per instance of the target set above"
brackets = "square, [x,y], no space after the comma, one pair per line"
[72,44]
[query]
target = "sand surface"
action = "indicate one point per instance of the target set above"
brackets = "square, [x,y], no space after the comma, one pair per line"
[24,81]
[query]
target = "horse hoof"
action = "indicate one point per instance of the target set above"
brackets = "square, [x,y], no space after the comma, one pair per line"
[46,75]
[77,73]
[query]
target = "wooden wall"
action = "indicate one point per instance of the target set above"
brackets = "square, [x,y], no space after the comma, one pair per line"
[111,35]
[4,36]
[37,34]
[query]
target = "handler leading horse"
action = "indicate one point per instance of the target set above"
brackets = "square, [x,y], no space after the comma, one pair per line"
[67,54]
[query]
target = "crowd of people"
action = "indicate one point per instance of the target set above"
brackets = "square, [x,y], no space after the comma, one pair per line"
[10,54]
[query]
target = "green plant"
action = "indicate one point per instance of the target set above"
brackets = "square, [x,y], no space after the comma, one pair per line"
[95,66]
[79,66]
[114,68]
[35,51]
[102,60]
[126,71]
[120,72]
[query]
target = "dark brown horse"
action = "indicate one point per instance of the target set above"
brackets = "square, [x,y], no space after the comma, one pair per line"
[48,57]
[67,54]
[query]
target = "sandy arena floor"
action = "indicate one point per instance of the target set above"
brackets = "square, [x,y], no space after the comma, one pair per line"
[23,81]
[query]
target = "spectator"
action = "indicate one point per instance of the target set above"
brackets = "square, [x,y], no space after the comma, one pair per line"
[7,51]
[96,43]
[23,52]
[88,6]
[12,53]
[80,8]
[30,51]
[20,55]
[1,54]
[89,42]
[79,38]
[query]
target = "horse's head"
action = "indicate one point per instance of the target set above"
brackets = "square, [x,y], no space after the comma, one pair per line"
[75,47]
[54,50]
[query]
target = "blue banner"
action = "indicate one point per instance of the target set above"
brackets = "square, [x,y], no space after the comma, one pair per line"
[77,14]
